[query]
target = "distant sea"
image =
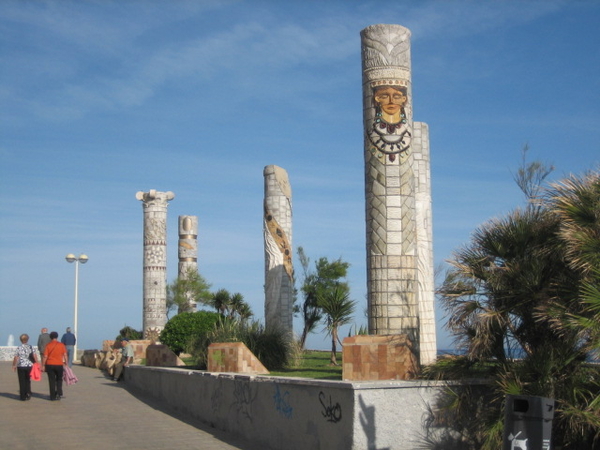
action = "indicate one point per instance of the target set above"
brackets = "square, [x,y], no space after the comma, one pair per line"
[593,358]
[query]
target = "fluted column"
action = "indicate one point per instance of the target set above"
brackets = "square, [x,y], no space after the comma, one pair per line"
[155,260]
[277,228]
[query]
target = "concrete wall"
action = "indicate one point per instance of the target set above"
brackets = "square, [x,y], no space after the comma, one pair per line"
[294,413]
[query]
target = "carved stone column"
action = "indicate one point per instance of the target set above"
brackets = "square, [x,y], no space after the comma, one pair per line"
[424,222]
[155,260]
[277,228]
[389,182]
[188,248]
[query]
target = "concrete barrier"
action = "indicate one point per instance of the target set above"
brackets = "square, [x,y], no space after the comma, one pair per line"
[295,413]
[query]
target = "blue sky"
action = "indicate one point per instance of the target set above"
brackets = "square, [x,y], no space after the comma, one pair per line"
[101,99]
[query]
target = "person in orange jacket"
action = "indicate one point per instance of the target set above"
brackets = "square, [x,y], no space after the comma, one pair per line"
[55,358]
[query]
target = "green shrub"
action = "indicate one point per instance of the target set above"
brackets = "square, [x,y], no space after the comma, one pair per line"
[129,333]
[184,327]
[273,348]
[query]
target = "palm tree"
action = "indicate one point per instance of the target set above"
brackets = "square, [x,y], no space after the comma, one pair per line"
[338,309]
[239,307]
[498,282]
[528,282]
[231,306]
[316,283]
[221,301]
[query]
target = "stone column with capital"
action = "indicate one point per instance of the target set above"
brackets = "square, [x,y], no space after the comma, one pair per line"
[188,248]
[277,230]
[155,260]
[393,255]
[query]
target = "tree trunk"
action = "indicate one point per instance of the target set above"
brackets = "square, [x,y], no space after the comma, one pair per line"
[303,338]
[333,347]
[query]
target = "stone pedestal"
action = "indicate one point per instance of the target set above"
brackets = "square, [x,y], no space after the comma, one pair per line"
[378,358]
[234,357]
[162,356]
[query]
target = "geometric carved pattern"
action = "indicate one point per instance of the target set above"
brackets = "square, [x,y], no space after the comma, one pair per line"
[378,358]
[233,357]
[392,287]
[155,261]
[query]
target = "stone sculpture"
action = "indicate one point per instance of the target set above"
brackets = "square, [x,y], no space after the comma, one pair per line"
[277,228]
[155,261]
[188,249]
[397,193]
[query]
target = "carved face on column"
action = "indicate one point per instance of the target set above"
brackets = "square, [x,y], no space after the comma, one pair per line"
[390,134]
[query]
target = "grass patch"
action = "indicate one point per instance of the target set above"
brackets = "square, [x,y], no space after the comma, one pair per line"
[313,364]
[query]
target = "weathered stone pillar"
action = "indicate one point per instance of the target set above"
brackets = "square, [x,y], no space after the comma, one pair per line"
[188,248]
[155,260]
[277,227]
[389,182]
[424,222]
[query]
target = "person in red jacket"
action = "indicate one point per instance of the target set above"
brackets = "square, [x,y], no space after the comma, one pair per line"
[55,358]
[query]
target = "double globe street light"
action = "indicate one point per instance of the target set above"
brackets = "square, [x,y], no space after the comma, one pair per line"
[82,259]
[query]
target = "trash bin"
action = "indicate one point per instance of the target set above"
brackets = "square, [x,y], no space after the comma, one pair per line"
[528,422]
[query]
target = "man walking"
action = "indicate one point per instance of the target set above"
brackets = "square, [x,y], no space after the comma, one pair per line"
[69,340]
[43,340]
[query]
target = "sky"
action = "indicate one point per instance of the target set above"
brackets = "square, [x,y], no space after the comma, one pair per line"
[102,99]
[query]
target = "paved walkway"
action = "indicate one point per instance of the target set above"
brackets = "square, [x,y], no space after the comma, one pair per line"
[96,413]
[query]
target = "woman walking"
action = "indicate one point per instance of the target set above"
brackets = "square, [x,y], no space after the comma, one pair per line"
[22,364]
[55,358]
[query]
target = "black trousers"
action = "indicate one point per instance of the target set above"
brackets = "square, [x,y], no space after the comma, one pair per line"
[55,380]
[24,382]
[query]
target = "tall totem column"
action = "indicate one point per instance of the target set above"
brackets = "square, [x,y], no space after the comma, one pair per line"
[188,249]
[277,229]
[424,223]
[390,184]
[155,260]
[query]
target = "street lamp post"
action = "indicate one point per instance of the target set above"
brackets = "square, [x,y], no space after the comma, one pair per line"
[82,259]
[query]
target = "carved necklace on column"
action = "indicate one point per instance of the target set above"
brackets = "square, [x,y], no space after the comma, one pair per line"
[390,138]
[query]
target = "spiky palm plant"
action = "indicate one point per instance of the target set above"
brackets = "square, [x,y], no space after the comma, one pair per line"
[338,309]
[530,281]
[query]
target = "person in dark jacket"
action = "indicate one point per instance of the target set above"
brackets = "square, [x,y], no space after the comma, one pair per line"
[69,340]
[43,340]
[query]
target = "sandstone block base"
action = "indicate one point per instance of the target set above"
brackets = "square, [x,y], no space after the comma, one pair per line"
[162,356]
[139,348]
[378,358]
[234,357]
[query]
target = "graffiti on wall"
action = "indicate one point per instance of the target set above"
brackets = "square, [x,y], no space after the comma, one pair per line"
[331,412]
[216,399]
[282,405]
[244,397]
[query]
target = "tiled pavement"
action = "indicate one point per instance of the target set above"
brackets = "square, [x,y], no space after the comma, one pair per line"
[97,413]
